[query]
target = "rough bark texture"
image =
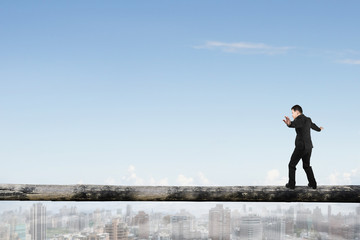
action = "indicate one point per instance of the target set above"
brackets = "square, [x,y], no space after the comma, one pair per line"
[350,193]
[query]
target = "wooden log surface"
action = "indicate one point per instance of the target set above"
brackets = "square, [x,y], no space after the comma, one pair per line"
[31,192]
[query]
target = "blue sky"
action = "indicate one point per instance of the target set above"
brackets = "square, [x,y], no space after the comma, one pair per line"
[176,93]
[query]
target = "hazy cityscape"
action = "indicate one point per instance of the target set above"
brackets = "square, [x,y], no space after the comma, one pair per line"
[165,221]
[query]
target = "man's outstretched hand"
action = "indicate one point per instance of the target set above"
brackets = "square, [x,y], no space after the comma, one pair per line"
[287,120]
[321,128]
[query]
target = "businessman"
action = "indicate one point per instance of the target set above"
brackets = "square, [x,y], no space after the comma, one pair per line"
[303,145]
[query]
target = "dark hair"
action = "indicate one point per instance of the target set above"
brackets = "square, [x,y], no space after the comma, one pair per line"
[297,108]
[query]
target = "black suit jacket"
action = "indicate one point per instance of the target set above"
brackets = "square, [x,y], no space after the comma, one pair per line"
[302,125]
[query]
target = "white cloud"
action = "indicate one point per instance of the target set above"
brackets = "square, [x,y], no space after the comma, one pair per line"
[161,182]
[346,178]
[273,178]
[203,179]
[80,181]
[272,175]
[184,181]
[334,179]
[131,168]
[350,61]
[152,181]
[110,181]
[244,47]
[131,178]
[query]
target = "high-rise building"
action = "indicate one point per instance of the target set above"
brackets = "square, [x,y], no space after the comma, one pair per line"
[235,222]
[303,219]
[329,219]
[38,222]
[219,223]
[20,231]
[128,210]
[289,221]
[128,216]
[155,221]
[182,226]
[317,219]
[98,218]
[119,212]
[117,230]
[5,231]
[357,222]
[274,228]
[251,227]
[142,221]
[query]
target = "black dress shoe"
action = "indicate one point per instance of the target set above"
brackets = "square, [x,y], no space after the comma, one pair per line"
[289,186]
[312,186]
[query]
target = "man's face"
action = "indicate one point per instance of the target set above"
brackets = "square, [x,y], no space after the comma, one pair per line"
[295,114]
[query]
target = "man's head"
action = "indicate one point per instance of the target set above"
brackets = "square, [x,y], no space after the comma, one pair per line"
[296,111]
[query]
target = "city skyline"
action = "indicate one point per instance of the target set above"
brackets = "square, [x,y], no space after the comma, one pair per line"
[292,221]
[197,208]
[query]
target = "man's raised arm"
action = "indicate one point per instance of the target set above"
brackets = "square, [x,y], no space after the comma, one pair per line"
[315,127]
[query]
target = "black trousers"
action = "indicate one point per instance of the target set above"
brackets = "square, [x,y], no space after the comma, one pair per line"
[304,154]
